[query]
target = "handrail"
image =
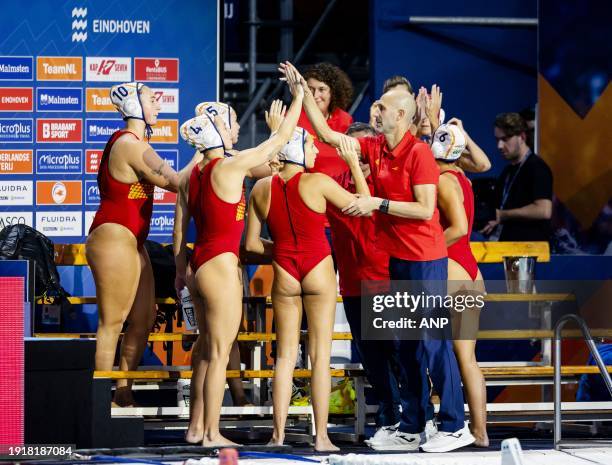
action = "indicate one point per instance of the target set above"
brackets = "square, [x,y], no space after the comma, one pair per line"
[557,368]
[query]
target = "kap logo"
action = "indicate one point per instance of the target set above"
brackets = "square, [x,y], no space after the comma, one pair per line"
[168,100]
[59,68]
[14,193]
[162,224]
[17,130]
[109,69]
[56,130]
[58,193]
[12,218]
[59,99]
[100,130]
[98,100]
[16,162]
[16,99]
[156,69]
[59,161]
[16,68]
[92,160]
[165,131]
[64,223]
[92,193]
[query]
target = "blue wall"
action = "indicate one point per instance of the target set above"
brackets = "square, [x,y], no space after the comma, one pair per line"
[482,71]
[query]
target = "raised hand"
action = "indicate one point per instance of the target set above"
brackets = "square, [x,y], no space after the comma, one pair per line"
[294,79]
[275,116]
[457,122]
[434,104]
[347,151]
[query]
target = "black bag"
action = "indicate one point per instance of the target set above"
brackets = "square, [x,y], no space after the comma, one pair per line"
[21,242]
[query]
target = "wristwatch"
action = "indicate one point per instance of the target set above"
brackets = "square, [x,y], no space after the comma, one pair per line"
[384,206]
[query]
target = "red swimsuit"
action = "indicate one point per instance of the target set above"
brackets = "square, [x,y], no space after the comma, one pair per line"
[130,205]
[460,251]
[298,232]
[219,224]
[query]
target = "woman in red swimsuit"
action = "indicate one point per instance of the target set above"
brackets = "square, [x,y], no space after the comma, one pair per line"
[129,171]
[456,204]
[293,204]
[215,199]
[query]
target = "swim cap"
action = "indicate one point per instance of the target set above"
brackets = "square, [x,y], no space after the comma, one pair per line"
[126,99]
[201,133]
[214,109]
[294,151]
[448,142]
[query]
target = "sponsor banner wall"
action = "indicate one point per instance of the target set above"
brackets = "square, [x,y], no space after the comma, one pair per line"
[55,110]
[58,193]
[59,161]
[16,162]
[60,223]
[68,99]
[98,100]
[16,193]
[16,99]
[12,218]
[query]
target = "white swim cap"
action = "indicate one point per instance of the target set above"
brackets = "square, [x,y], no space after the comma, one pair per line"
[126,98]
[202,133]
[448,142]
[294,151]
[214,109]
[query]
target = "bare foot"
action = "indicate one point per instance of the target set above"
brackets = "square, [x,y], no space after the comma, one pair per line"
[275,441]
[217,441]
[194,436]
[323,444]
[482,440]
[124,398]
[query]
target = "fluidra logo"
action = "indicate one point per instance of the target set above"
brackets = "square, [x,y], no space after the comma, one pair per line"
[60,161]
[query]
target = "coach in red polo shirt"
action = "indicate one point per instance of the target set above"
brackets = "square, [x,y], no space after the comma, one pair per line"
[405,178]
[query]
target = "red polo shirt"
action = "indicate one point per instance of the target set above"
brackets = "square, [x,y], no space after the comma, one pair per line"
[394,173]
[354,240]
[328,161]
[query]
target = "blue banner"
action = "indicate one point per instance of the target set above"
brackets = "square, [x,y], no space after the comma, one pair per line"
[57,115]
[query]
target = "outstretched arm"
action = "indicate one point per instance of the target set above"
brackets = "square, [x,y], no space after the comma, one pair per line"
[319,124]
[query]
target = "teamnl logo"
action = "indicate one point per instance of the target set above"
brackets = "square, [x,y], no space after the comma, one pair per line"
[79,24]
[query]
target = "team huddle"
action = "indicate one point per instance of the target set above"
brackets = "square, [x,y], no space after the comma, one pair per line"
[373,200]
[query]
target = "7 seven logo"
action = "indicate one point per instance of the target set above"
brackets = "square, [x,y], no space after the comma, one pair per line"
[110,69]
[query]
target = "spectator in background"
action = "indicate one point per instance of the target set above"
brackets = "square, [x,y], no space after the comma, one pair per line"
[529,115]
[524,188]
[332,90]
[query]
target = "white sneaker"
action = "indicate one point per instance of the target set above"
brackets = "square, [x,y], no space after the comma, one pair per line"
[399,441]
[430,429]
[381,433]
[445,442]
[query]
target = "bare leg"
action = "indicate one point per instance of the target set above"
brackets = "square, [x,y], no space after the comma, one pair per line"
[287,304]
[319,287]
[219,284]
[239,398]
[199,363]
[116,285]
[465,329]
[140,321]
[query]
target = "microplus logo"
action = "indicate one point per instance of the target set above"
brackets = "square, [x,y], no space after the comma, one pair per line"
[16,130]
[162,223]
[59,161]
[59,99]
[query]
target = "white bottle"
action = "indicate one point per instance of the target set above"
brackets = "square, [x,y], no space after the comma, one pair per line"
[182,392]
[188,310]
